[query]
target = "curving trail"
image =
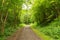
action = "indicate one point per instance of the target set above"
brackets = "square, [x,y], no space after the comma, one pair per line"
[24,34]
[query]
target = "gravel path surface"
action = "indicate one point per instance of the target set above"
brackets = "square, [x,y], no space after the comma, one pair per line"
[25,33]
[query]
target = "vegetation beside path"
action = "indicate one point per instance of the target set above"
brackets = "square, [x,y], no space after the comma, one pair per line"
[51,31]
[40,34]
[43,14]
[10,31]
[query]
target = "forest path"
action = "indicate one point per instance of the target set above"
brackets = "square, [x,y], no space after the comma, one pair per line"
[25,33]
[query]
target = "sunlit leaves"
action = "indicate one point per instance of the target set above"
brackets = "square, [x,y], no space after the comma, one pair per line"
[43,9]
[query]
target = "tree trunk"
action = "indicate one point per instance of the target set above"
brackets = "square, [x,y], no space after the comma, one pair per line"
[3,24]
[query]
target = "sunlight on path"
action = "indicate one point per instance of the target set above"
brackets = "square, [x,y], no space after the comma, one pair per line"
[27,25]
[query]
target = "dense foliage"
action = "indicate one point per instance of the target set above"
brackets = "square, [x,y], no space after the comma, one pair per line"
[45,11]
[26,17]
[10,11]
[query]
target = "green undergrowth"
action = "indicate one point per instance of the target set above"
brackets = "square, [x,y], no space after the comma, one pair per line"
[40,34]
[52,30]
[9,31]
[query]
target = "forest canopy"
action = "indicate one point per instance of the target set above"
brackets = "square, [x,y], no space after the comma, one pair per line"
[45,13]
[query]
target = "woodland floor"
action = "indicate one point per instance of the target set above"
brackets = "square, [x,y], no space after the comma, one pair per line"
[25,33]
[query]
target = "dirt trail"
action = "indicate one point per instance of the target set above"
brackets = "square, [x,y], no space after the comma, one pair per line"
[24,34]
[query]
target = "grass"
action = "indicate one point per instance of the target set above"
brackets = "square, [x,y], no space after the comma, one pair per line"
[40,34]
[52,30]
